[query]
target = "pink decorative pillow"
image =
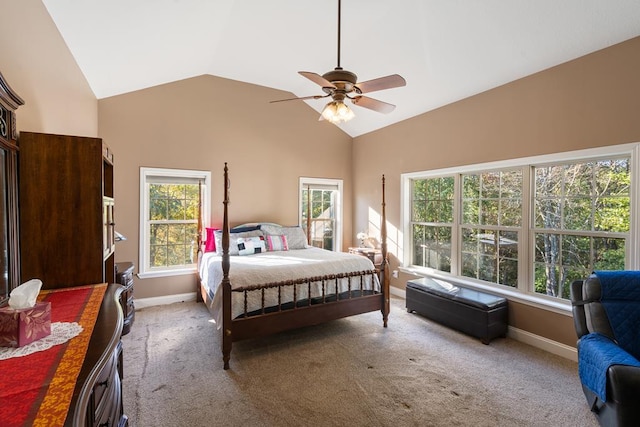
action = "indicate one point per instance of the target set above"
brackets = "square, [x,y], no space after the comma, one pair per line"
[277,243]
[210,243]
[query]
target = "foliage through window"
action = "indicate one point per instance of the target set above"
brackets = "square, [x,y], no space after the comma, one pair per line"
[581,221]
[532,226]
[320,201]
[170,208]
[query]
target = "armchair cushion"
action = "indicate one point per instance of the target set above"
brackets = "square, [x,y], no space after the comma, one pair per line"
[620,298]
[597,353]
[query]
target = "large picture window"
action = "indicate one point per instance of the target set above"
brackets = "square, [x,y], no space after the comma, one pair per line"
[533,225]
[169,207]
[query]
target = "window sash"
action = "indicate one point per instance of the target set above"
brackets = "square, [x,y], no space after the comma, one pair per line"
[326,186]
[528,232]
[161,259]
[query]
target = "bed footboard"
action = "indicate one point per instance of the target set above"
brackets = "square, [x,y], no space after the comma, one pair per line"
[302,302]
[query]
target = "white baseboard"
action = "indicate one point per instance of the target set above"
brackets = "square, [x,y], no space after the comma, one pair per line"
[141,303]
[543,343]
[398,292]
[537,341]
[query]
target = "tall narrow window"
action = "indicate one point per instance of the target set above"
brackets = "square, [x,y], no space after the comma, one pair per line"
[321,212]
[432,222]
[491,224]
[171,201]
[581,221]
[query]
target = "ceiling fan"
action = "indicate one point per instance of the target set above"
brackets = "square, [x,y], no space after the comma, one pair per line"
[340,84]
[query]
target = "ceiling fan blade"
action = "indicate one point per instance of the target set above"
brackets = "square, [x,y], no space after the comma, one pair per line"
[300,99]
[381,83]
[373,104]
[317,79]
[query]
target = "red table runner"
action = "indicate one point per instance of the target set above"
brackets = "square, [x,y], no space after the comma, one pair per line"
[37,389]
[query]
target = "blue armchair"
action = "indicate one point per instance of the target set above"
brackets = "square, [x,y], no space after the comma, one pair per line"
[606,314]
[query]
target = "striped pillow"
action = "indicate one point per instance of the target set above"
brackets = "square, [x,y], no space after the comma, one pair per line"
[277,243]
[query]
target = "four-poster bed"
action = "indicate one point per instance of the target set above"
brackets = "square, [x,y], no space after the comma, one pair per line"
[282,287]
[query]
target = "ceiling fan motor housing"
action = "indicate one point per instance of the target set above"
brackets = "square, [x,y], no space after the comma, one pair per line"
[343,80]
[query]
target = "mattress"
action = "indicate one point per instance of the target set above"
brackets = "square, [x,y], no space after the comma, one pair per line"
[277,266]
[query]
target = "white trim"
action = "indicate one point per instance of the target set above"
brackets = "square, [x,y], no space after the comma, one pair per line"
[166,273]
[633,249]
[338,220]
[141,303]
[400,293]
[525,337]
[145,173]
[611,150]
[543,343]
[555,305]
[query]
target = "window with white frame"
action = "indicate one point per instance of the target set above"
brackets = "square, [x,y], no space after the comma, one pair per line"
[170,202]
[534,225]
[321,211]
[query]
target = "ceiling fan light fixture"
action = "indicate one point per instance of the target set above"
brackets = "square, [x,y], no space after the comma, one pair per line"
[337,112]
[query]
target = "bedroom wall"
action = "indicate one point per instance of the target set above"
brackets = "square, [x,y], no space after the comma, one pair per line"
[202,122]
[40,68]
[592,101]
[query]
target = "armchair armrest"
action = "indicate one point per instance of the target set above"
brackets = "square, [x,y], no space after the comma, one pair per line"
[624,383]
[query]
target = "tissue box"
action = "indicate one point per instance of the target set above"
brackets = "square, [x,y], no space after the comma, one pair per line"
[19,327]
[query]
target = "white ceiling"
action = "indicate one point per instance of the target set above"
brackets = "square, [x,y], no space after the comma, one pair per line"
[447,50]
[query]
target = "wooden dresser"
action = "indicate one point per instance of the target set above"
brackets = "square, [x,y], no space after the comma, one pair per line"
[66,210]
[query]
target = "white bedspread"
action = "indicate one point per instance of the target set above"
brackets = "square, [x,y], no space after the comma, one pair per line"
[272,267]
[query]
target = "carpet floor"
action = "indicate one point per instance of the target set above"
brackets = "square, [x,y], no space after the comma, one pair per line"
[349,372]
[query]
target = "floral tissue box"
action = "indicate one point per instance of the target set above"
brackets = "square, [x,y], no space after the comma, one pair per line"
[19,327]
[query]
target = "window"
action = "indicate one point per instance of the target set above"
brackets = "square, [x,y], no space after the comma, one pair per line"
[169,200]
[321,201]
[581,222]
[533,225]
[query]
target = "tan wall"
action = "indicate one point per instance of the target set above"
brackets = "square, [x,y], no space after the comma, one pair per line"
[589,102]
[39,67]
[202,122]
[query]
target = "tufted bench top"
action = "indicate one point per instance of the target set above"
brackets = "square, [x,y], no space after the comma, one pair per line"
[453,292]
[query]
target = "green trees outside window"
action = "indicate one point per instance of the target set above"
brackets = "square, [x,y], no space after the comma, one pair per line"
[173,228]
[534,227]
[581,221]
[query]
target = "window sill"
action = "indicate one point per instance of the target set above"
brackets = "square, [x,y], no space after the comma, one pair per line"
[165,273]
[557,306]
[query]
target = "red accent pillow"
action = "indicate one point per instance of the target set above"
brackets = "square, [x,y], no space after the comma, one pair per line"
[210,243]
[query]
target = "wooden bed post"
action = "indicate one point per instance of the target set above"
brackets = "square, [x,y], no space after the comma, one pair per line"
[384,267]
[227,338]
[199,242]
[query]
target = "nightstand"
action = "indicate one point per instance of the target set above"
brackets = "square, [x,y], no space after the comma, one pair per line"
[124,276]
[375,255]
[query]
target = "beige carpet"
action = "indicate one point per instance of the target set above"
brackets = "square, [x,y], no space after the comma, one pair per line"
[350,372]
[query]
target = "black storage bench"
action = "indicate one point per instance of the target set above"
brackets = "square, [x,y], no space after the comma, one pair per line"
[476,313]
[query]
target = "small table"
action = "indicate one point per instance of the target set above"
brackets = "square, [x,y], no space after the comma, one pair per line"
[375,255]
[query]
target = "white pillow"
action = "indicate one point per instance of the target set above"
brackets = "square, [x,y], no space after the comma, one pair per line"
[233,240]
[251,245]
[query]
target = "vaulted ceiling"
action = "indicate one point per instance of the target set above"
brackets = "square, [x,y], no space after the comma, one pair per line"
[446,50]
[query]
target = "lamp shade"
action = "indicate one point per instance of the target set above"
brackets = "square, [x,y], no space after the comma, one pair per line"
[337,112]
